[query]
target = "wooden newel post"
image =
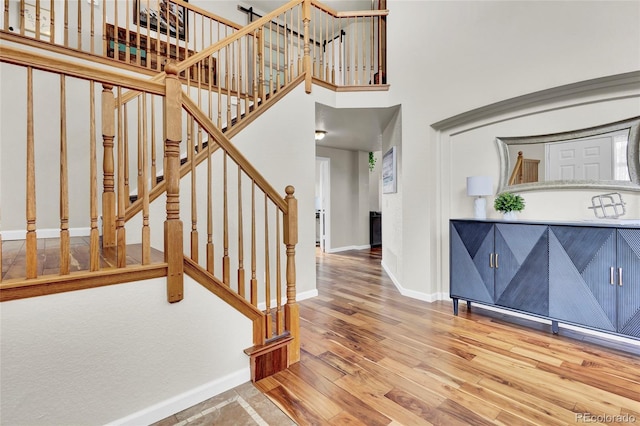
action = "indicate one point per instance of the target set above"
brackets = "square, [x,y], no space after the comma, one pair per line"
[173,239]
[291,309]
[108,182]
[306,18]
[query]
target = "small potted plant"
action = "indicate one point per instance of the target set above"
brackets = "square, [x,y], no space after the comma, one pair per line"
[509,203]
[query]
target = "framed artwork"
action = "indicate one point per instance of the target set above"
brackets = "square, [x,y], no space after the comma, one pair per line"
[30,20]
[160,16]
[389,172]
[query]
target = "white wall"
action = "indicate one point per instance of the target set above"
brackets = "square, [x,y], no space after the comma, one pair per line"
[96,356]
[471,54]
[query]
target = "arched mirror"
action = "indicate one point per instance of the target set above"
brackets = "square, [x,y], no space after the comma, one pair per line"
[601,157]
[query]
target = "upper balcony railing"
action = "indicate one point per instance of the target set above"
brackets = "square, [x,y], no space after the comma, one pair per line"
[347,49]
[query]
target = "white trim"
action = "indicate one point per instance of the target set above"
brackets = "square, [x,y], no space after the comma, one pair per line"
[20,234]
[184,400]
[345,248]
[412,293]
[307,295]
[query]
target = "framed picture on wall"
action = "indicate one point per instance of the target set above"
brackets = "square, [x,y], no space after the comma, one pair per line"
[160,15]
[389,172]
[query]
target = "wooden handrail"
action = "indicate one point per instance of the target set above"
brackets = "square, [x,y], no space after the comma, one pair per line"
[38,61]
[222,140]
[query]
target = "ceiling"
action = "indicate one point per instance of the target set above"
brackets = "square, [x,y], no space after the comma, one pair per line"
[339,5]
[356,129]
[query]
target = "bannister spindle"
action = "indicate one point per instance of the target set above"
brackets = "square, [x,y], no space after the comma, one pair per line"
[225,225]
[66,22]
[278,82]
[37,23]
[255,61]
[121,241]
[254,281]
[300,41]
[21,17]
[93,25]
[241,289]
[372,49]
[108,169]
[194,210]
[31,239]
[271,64]
[79,25]
[333,51]
[146,231]
[125,140]
[239,94]
[127,42]
[227,83]
[94,234]
[140,147]
[52,20]
[6,23]
[291,309]
[173,250]
[261,41]
[327,71]
[306,11]
[64,184]
[279,311]
[210,247]
[268,329]
[154,171]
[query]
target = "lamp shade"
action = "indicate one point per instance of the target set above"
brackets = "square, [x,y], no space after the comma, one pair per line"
[478,186]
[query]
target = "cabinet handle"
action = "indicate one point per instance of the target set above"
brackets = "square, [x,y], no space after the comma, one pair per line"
[491,260]
[496,260]
[620,277]
[611,277]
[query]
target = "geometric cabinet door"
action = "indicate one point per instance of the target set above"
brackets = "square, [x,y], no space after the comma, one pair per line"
[581,264]
[628,284]
[471,244]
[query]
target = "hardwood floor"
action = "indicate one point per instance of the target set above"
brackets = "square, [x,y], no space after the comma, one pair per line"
[373,357]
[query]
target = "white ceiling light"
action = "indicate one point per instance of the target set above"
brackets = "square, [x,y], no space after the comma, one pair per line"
[320,134]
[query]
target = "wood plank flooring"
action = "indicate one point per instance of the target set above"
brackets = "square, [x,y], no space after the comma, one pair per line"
[373,357]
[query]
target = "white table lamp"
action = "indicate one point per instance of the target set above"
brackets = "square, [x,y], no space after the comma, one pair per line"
[479,186]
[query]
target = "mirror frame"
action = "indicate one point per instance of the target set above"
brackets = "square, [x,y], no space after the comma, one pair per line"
[633,158]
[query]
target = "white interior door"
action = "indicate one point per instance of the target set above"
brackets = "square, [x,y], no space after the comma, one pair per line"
[323,198]
[590,159]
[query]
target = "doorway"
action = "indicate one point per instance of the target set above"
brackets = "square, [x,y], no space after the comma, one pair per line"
[323,203]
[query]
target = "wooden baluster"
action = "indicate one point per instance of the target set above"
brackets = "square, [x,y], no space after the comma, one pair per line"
[173,246]
[154,170]
[279,311]
[225,225]
[255,61]
[93,25]
[327,71]
[148,44]
[306,11]
[300,40]
[31,239]
[291,309]
[21,17]
[227,83]
[210,88]
[285,42]
[261,88]
[312,45]
[94,234]
[52,17]
[66,22]
[270,50]
[241,289]
[6,26]
[219,96]
[80,25]
[356,69]
[104,35]
[125,140]
[140,148]
[372,47]
[108,169]
[291,50]
[194,194]
[278,82]
[64,184]
[268,329]
[239,93]
[121,241]
[210,247]
[146,231]
[127,54]
[254,281]
[333,50]
[37,24]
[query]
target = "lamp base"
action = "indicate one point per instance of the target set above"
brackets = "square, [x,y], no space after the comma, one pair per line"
[480,208]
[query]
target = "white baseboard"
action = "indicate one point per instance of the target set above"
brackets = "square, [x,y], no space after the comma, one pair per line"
[345,248]
[425,297]
[307,295]
[20,234]
[185,400]
[299,297]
